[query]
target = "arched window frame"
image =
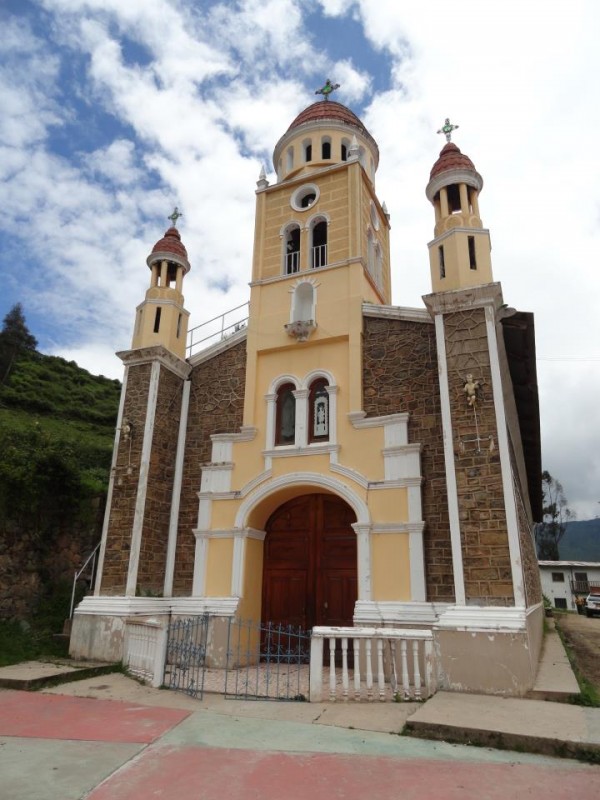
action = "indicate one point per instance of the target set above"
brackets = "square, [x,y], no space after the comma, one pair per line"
[289,159]
[297,304]
[371,252]
[344,147]
[322,256]
[326,148]
[285,261]
[307,150]
[281,384]
[309,381]
[318,411]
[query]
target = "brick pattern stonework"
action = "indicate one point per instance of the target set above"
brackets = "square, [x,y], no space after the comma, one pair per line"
[531,570]
[116,559]
[216,406]
[400,374]
[155,531]
[486,558]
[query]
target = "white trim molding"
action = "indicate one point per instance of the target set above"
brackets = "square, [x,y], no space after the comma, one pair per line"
[148,606]
[386,612]
[483,618]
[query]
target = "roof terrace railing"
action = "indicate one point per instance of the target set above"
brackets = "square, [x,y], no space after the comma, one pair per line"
[216,329]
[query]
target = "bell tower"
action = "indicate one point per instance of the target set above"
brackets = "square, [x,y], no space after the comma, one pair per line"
[460,253]
[161,318]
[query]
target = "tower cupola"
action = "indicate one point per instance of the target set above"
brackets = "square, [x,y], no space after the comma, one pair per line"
[161,318]
[460,253]
[324,134]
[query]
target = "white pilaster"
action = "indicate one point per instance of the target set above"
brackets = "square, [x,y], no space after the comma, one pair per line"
[176,498]
[301,396]
[512,521]
[140,502]
[457,561]
[111,483]
[363,547]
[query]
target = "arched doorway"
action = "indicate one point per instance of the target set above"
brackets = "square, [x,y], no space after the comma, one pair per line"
[310,563]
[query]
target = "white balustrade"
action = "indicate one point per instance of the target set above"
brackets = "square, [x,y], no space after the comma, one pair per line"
[144,649]
[383,651]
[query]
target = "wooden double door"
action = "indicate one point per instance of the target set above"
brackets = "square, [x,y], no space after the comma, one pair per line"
[310,563]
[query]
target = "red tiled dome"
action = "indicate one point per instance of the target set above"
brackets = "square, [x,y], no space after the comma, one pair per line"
[328,110]
[451,158]
[171,243]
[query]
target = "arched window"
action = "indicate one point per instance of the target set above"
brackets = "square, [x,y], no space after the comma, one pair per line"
[326,148]
[307,144]
[345,146]
[370,253]
[318,250]
[318,411]
[290,159]
[285,419]
[292,250]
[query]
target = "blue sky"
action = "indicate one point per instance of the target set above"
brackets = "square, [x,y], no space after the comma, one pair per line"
[113,112]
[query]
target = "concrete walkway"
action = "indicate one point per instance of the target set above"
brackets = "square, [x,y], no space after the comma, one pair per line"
[109,736]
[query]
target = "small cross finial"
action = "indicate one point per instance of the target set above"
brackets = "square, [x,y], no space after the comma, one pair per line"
[327,89]
[175,216]
[447,129]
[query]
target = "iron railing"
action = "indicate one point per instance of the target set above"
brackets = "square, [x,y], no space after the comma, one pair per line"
[292,262]
[217,328]
[319,256]
[185,662]
[78,573]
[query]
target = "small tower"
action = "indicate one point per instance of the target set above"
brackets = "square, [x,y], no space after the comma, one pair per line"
[161,318]
[460,254]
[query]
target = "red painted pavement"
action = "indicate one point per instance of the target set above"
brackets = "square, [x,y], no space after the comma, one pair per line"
[194,773]
[50,716]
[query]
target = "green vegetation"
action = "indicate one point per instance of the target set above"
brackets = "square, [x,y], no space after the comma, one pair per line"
[56,432]
[57,425]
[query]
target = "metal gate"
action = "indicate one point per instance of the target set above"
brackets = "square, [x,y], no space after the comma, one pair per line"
[262,661]
[185,665]
[267,662]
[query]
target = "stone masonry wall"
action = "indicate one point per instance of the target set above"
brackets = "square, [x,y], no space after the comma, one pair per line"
[155,532]
[486,558]
[116,559]
[216,406]
[400,374]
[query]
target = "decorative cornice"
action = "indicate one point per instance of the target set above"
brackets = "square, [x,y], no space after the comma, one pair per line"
[483,618]
[212,466]
[396,483]
[310,450]
[447,234]
[391,612]
[247,434]
[157,352]
[299,275]
[398,527]
[396,312]
[358,419]
[451,176]
[488,294]
[402,449]
[150,606]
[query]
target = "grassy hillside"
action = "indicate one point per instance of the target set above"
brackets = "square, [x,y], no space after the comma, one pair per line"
[56,432]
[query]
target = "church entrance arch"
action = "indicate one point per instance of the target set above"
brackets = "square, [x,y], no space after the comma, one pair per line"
[310,563]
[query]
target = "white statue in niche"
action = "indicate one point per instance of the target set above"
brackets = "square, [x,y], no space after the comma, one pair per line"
[321,421]
[471,389]
[302,317]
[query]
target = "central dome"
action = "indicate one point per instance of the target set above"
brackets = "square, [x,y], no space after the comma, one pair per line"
[329,110]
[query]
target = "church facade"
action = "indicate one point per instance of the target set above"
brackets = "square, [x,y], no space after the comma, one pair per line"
[337,460]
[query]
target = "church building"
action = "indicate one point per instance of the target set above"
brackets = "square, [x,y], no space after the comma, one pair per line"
[334,460]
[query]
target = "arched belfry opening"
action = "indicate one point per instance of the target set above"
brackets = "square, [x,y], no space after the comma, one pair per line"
[310,563]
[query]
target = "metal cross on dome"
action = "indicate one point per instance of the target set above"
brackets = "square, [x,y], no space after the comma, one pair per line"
[447,129]
[175,216]
[327,89]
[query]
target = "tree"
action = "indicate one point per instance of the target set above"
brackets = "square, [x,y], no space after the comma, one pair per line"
[15,338]
[556,515]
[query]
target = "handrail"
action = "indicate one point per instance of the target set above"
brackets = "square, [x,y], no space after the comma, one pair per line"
[79,572]
[222,332]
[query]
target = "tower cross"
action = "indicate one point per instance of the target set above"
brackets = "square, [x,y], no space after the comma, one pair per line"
[447,129]
[175,216]
[327,89]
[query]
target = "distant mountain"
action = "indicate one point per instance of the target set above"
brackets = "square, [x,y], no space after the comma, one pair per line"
[581,541]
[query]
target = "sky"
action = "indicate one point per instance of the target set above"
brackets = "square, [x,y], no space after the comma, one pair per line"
[115,111]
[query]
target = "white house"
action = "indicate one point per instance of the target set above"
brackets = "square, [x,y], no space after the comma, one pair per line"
[564,581]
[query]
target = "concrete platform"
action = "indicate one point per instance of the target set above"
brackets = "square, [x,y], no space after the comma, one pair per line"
[31,675]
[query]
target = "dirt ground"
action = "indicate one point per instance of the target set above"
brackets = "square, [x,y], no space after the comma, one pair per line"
[583,636]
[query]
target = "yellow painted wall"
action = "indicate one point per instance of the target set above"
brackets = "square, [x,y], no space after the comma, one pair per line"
[459,275]
[390,566]
[218,567]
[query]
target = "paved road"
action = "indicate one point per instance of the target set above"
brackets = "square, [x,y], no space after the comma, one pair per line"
[55,747]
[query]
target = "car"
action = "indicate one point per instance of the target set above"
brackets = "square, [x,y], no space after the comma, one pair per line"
[592,604]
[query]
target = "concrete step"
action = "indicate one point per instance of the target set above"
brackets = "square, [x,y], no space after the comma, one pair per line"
[33,675]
